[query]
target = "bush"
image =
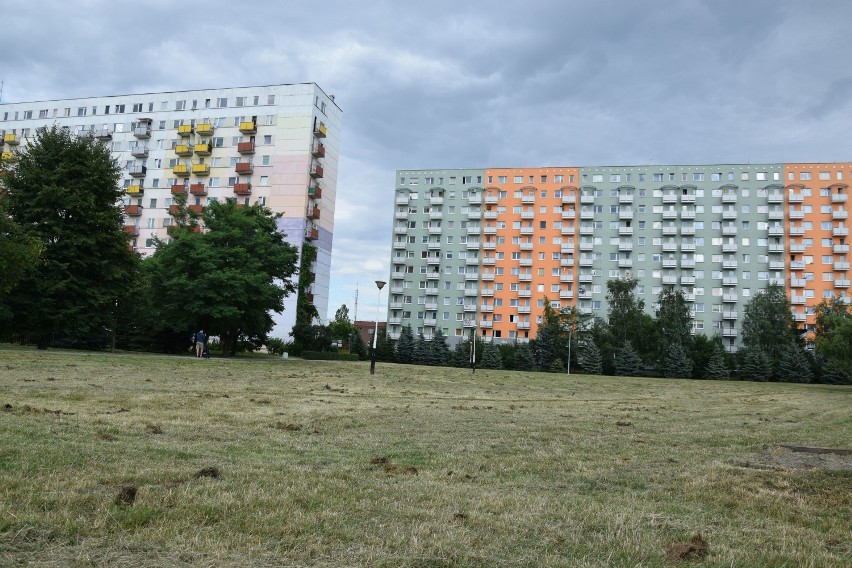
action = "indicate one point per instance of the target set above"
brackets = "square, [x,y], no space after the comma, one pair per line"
[329,356]
[276,345]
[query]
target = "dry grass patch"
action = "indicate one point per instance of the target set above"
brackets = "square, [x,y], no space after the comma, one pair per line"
[322,464]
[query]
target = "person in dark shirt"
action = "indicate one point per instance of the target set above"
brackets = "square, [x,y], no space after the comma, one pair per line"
[200,340]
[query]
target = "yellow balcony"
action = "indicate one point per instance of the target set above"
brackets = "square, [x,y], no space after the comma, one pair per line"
[11,139]
[201,169]
[185,130]
[203,149]
[181,170]
[7,156]
[135,190]
[204,129]
[183,150]
[320,131]
[249,127]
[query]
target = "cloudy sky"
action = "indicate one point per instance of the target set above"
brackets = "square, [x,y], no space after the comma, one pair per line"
[444,84]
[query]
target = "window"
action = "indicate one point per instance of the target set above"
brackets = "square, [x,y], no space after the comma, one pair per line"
[519,179]
[222,102]
[179,105]
[805,176]
[264,180]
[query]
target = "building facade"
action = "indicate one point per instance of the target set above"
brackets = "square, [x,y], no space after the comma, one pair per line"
[277,145]
[484,249]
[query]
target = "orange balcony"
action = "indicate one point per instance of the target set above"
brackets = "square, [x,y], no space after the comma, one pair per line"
[245,148]
[196,208]
[133,210]
[132,230]
[318,151]
[316,171]
[183,149]
[315,191]
[204,129]
[185,130]
[311,234]
[174,210]
[198,189]
[314,213]
[242,188]
[248,127]
[245,167]
[309,296]
[181,170]
[203,149]
[179,189]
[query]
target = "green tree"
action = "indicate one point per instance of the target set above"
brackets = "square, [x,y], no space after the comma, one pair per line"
[357,345]
[545,348]
[421,355]
[524,360]
[673,322]
[576,325]
[384,347]
[833,334]
[228,278]
[625,309]
[590,359]
[439,352]
[716,367]
[491,357]
[701,350]
[677,364]
[627,361]
[405,346]
[19,252]
[755,365]
[64,196]
[768,323]
[794,366]
[341,327]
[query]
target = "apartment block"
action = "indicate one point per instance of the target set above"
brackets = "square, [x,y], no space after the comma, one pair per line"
[277,145]
[483,250]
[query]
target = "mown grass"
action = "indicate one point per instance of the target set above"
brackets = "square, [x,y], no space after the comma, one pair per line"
[321,464]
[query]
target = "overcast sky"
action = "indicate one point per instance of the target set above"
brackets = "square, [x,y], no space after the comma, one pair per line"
[444,84]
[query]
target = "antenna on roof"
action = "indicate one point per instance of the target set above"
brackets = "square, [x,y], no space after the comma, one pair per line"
[1,92]
[355,317]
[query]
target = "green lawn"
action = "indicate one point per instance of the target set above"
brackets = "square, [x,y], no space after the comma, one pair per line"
[266,462]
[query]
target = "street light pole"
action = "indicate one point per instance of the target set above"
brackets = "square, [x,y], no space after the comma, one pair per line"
[379,285]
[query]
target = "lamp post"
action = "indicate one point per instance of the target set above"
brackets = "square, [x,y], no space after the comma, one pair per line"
[379,285]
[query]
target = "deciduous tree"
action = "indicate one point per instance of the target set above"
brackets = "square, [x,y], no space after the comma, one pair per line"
[768,323]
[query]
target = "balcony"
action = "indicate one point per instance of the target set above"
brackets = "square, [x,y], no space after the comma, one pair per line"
[775,215]
[729,214]
[729,281]
[569,214]
[729,198]
[525,277]
[566,277]
[474,215]
[400,230]
[242,188]
[838,197]
[776,231]
[566,262]
[489,230]
[776,247]
[729,315]
[137,171]
[184,150]
[625,263]
[142,132]
[174,209]
[732,264]
[527,230]
[587,198]
[729,298]
[586,245]
[800,317]
[797,214]
[669,230]
[731,247]
[474,199]
[179,189]
[488,292]
[585,278]
[527,215]
[797,265]
[839,214]
[135,190]
[436,215]
[314,191]
[133,210]
[401,200]
[196,208]
[841,265]
[566,294]
[625,215]
[687,198]
[490,215]
[139,152]
[185,130]
[729,332]
[436,201]
[587,229]
[625,231]
[430,322]
[669,263]
[687,280]
[841,249]
[669,279]
[776,265]
[198,189]
[669,246]
[524,309]
[316,171]
[320,131]
[841,283]
[11,139]
[203,149]
[729,230]
[798,282]
[490,200]
[248,127]
[132,230]
[473,230]
[775,197]
[840,231]
[523,325]
[204,129]
[528,199]
[797,300]
[104,134]
[485,245]
[687,214]
[313,234]
[625,245]
[401,215]
[669,214]
[201,169]
[7,155]
[587,215]
[244,168]
[586,261]
[670,198]
[625,198]
[489,261]
[795,197]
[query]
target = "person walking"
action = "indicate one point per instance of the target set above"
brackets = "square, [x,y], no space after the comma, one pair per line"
[200,340]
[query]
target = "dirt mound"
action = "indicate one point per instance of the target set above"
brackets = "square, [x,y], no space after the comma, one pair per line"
[695,549]
[801,457]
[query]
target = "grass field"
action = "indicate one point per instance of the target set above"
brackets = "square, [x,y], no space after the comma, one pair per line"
[143,460]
